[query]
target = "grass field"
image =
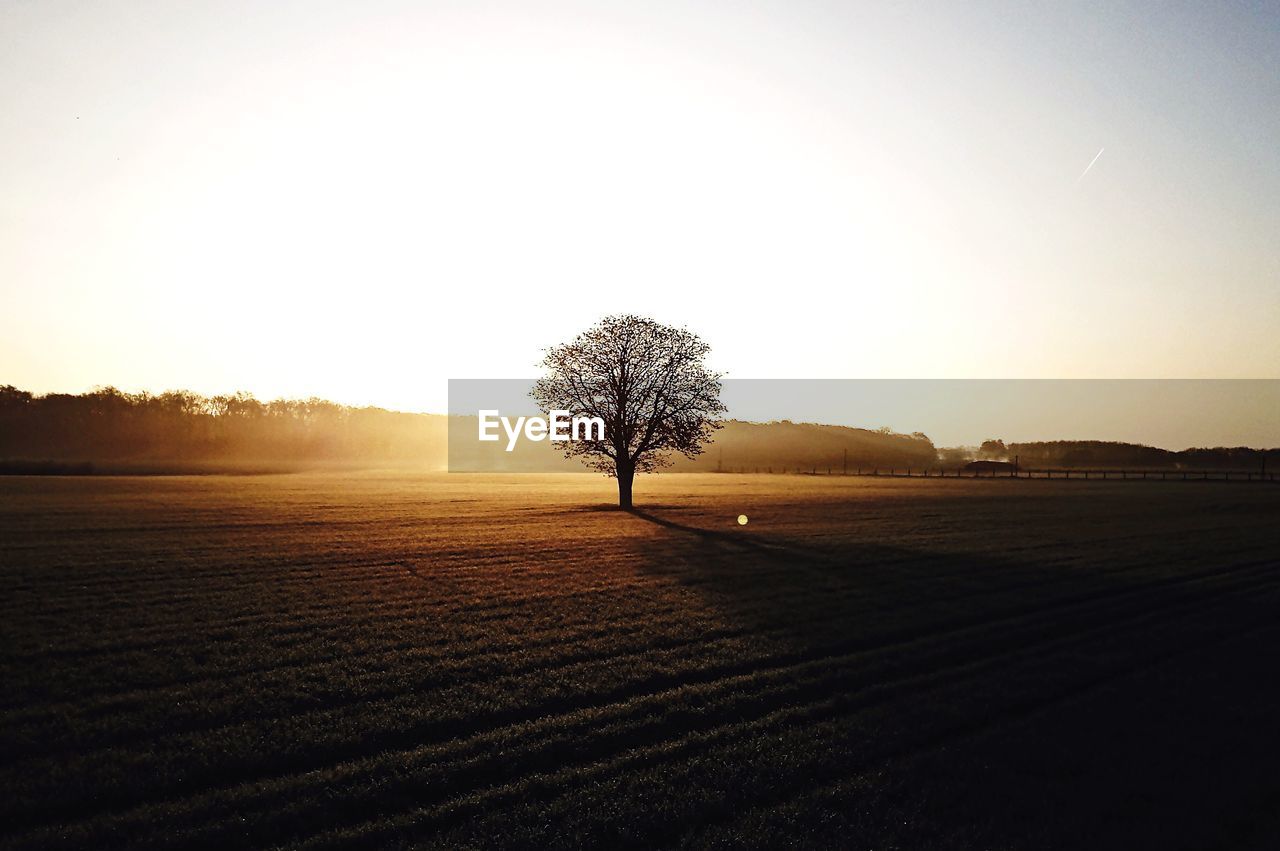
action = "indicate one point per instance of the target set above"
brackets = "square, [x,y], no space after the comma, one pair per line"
[457,661]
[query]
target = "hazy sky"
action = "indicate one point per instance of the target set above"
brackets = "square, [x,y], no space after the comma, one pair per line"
[361,200]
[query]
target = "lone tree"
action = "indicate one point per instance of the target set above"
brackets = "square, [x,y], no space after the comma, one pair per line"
[646,381]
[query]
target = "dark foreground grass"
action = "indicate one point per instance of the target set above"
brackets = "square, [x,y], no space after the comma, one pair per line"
[477,661]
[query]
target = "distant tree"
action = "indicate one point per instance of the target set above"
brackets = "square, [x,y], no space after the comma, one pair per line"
[646,381]
[11,396]
[993,450]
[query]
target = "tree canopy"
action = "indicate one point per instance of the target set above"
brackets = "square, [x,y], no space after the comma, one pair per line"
[649,384]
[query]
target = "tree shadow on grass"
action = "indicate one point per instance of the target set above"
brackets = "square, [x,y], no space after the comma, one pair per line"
[962,699]
[723,538]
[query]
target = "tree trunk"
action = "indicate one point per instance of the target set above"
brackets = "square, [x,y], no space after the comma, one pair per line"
[626,475]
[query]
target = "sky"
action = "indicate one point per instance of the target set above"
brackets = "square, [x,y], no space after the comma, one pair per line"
[360,201]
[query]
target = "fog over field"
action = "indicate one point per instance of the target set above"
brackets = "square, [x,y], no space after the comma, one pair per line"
[108,431]
[464,660]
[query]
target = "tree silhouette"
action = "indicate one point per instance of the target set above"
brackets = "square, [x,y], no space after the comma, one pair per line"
[993,449]
[647,381]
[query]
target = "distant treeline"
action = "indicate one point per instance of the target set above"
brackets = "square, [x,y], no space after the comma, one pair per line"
[787,446]
[1100,454]
[107,430]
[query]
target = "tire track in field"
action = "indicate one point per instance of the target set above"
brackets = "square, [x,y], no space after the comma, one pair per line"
[204,723]
[997,636]
[161,636]
[177,634]
[454,812]
[979,727]
[302,627]
[427,618]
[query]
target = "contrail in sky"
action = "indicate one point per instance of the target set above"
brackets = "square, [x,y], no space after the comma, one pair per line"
[1090,165]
